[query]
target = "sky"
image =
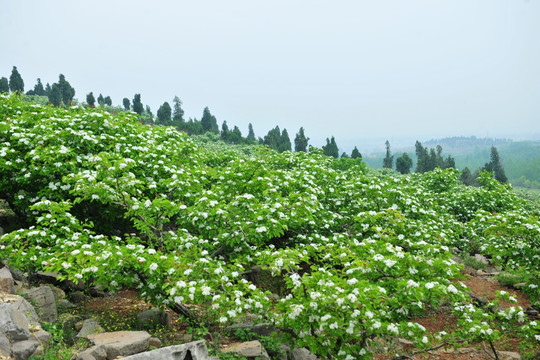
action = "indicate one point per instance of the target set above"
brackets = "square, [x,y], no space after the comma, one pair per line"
[361,71]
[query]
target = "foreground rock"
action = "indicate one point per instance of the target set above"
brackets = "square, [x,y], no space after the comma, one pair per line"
[121,343]
[195,350]
[249,349]
[43,298]
[21,335]
[7,284]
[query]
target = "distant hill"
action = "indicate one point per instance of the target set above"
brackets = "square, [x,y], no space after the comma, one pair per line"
[521,159]
[464,144]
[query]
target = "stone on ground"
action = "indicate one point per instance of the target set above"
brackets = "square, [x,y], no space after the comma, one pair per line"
[43,299]
[195,350]
[89,326]
[121,343]
[249,349]
[22,350]
[7,284]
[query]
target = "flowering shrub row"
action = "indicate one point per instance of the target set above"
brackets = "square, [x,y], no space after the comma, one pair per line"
[105,199]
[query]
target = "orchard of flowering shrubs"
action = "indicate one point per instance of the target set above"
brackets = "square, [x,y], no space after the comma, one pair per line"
[357,255]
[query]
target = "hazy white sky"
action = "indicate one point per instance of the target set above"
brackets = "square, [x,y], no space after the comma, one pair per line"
[363,71]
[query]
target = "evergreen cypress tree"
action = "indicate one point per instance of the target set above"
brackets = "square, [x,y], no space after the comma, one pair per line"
[137,104]
[300,141]
[331,148]
[404,163]
[101,100]
[55,95]
[107,100]
[389,158]
[126,103]
[273,138]
[164,114]
[16,83]
[284,142]
[209,122]
[496,166]
[178,112]
[91,100]
[224,131]
[67,92]
[422,163]
[355,154]
[4,85]
[38,88]
[235,136]
[251,134]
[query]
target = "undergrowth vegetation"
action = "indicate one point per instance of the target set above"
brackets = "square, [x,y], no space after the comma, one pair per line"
[104,199]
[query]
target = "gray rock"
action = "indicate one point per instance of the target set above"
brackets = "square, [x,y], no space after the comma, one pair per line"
[5,347]
[481,258]
[22,350]
[65,305]
[93,353]
[302,354]
[519,285]
[13,323]
[42,336]
[89,326]
[21,304]
[248,349]
[58,293]
[7,284]
[154,342]
[509,355]
[43,299]
[195,350]
[150,319]
[121,343]
[78,297]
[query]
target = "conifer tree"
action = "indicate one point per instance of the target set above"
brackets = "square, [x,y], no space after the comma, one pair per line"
[55,95]
[137,104]
[404,163]
[300,141]
[38,88]
[164,114]
[251,134]
[273,138]
[224,131]
[389,158]
[495,166]
[178,112]
[16,83]
[91,100]
[235,136]
[4,85]
[284,142]
[331,148]
[101,100]
[209,122]
[355,154]
[107,100]
[126,103]
[67,92]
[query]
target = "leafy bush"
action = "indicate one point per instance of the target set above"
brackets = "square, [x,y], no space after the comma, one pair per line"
[107,200]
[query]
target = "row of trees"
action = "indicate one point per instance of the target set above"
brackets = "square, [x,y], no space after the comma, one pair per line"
[62,93]
[430,159]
